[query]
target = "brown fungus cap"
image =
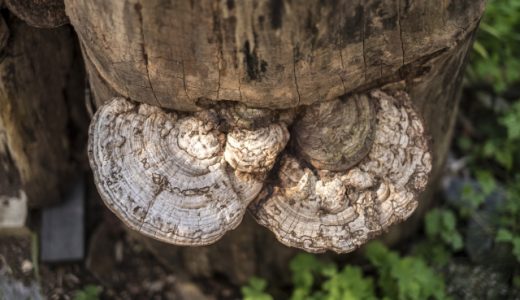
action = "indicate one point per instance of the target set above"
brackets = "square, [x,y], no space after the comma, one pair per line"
[336,135]
[165,175]
[355,168]
[255,151]
[317,209]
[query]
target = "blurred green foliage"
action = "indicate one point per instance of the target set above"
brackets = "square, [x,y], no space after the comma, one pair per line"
[441,226]
[493,158]
[403,278]
[497,47]
[493,150]
[308,271]
[255,290]
[89,292]
[407,278]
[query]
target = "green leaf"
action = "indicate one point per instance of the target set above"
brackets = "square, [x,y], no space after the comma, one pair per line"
[489,29]
[432,252]
[258,284]
[516,281]
[378,254]
[490,148]
[329,270]
[464,143]
[473,198]
[89,292]
[504,235]
[441,224]
[516,247]
[255,290]
[486,181]
[511,120]
[498,38]
[432,223]
[404,278]
[504,157]
[479,48]
[349,284]
[302,268]
[305,269]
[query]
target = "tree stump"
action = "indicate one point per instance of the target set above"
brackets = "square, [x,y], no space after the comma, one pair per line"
[202,62]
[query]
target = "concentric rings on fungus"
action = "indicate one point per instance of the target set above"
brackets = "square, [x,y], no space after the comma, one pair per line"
[340,209]
[164,175]
[336,135]
[355,168]
[255,151]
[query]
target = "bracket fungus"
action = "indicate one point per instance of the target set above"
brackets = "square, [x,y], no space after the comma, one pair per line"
[341,208]
[164,174]
[353,167]
[337,134]
[255,151]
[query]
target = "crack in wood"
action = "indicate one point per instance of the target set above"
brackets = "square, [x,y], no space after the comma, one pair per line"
[138,9]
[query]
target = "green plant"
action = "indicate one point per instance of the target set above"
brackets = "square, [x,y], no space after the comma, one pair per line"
[442,237]
[496,50]
[348,283]
[509,226]
[493,151]
[441,225]
[304,269]
[495,163]
[433,252]
[89,292]
[403,278]
[255,290]
[504,235]
[503,141]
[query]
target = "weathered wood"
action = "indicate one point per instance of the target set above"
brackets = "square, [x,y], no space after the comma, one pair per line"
[272,54]
[41,88]
[39,13]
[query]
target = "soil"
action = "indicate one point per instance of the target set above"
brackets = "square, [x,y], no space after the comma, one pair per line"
[116,263]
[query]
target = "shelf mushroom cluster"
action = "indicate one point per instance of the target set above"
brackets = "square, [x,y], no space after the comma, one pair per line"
[345,171]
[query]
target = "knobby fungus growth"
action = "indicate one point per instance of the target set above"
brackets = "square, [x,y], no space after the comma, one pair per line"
[337,134]
[351,168]
[164,174]
[340,209]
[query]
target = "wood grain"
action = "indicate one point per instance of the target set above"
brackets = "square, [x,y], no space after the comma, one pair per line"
[268,53]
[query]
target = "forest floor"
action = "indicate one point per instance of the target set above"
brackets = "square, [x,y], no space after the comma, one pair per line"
[116,266]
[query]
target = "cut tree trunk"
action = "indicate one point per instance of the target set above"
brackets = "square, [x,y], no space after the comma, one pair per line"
[276,54]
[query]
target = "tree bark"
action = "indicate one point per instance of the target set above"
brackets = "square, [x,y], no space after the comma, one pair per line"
[42,117]
[274,54]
